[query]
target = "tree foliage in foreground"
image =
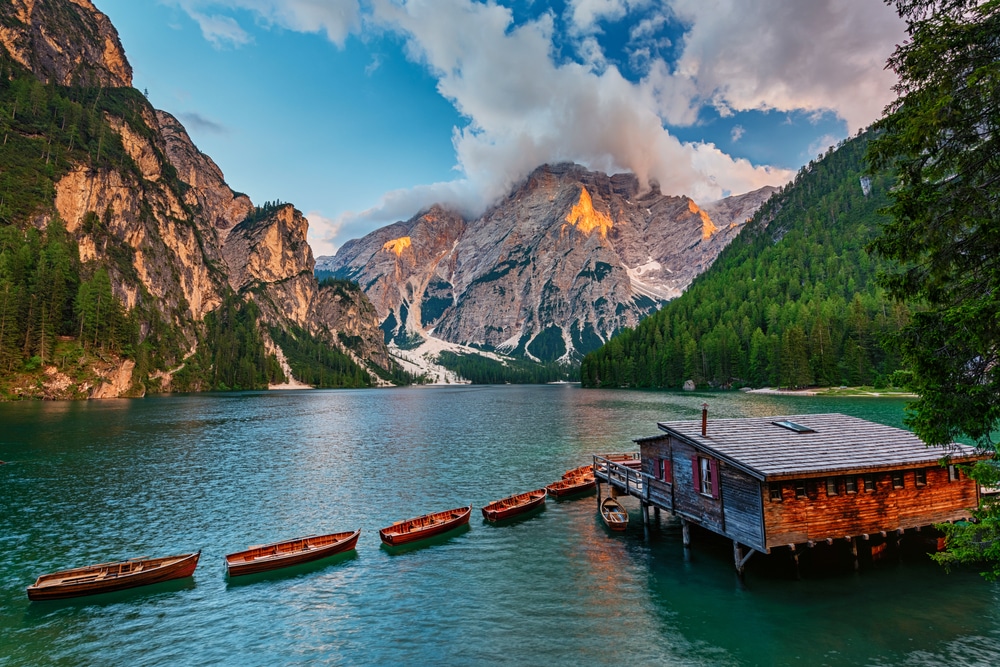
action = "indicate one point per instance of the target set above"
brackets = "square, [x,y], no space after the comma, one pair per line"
[942,136]
[791,302]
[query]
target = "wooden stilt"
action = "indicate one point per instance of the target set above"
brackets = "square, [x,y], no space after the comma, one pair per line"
[795,559]
[645,520]
[854,552]
[685,533]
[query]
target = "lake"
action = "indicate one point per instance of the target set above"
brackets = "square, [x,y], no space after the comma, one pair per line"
[87,482]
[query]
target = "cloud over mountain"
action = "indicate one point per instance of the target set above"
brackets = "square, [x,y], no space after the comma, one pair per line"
[543,88]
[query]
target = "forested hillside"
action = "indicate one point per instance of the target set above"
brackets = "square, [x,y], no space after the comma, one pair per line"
[792,301]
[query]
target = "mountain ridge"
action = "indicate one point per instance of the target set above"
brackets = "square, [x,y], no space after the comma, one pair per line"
[550,271]
[204,280]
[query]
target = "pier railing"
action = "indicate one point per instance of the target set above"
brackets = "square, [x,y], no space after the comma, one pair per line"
[627,479]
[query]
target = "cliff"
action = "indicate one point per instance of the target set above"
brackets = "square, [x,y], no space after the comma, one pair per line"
[552,271]
[146,211]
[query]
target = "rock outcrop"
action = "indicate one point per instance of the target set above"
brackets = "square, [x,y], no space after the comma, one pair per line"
[553,270]
[174,237]
[68,42]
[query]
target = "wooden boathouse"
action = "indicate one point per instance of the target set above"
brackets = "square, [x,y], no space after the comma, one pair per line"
[796,481]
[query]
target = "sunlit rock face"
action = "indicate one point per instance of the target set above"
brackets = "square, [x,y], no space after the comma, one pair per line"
[567,259]
[173,235]
[68,42]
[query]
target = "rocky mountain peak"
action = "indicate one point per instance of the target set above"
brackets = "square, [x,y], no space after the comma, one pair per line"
[67,41]
[565,260]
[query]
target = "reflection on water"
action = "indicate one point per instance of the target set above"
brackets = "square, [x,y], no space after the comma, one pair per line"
[96,481]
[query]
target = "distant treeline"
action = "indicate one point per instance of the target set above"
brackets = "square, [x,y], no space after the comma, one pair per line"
[483,370]
[792,302]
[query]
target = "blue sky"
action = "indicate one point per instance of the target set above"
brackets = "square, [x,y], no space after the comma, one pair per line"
[362,112]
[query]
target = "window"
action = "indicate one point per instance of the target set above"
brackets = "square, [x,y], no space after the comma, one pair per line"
[705,474]
[831,486]
[792,426]
[800,489]
[897,479]
[920,477]
[774,489]
[664,471]
[952,472]
[869,483]
[851,484]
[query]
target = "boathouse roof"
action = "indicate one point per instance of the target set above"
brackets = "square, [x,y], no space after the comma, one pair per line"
[802,445]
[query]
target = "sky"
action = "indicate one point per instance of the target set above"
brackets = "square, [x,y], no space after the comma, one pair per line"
[364,112]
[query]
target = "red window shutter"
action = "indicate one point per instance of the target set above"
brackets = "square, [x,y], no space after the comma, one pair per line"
[696,472]
[713,466]
[668,471]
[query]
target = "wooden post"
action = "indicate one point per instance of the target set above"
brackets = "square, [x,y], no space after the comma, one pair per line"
[737,559]
[795,558]
[645,520]
[685,533]
[854,552]
[598,491]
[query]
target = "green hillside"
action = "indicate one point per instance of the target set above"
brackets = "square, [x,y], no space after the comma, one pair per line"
[792,302]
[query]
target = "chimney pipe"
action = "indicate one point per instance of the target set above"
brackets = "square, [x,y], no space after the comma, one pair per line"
[704,419]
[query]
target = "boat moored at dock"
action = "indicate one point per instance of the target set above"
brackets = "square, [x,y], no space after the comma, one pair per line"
[515,505]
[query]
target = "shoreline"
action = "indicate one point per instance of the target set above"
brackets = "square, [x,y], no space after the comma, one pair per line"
[839,391]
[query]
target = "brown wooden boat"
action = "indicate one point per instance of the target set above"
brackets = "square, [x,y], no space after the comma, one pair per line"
[116,576]
[290,552]
[572,485]
[614,514]
[428,525]
[511,506]
[582,470]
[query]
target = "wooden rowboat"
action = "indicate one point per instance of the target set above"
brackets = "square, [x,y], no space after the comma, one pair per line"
[582,470]
[116,576]
[428,525]
[289,552]
[614,514]
[514,505]
[572,486]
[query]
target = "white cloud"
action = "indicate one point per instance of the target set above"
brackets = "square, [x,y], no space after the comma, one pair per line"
[787,55]
[221,31]
[737,133]
[524,110]
[584,15]
[323,233]
[335,18]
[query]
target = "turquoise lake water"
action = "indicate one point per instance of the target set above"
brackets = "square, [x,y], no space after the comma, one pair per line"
[87,482]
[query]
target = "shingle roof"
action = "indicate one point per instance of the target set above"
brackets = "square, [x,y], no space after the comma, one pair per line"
[838,443]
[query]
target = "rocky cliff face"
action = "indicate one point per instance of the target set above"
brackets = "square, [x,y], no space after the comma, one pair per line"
[173,235]
[66,41]
[553,270]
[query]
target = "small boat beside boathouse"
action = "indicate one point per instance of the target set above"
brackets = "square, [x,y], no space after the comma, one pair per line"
[793,482]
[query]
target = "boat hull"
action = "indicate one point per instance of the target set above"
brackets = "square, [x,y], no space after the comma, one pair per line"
[572,486]
[514,505]
[614,515]
[289,552]
[110,577]
[424,526]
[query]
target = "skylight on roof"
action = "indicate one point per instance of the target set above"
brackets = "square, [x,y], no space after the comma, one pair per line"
[792,426]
